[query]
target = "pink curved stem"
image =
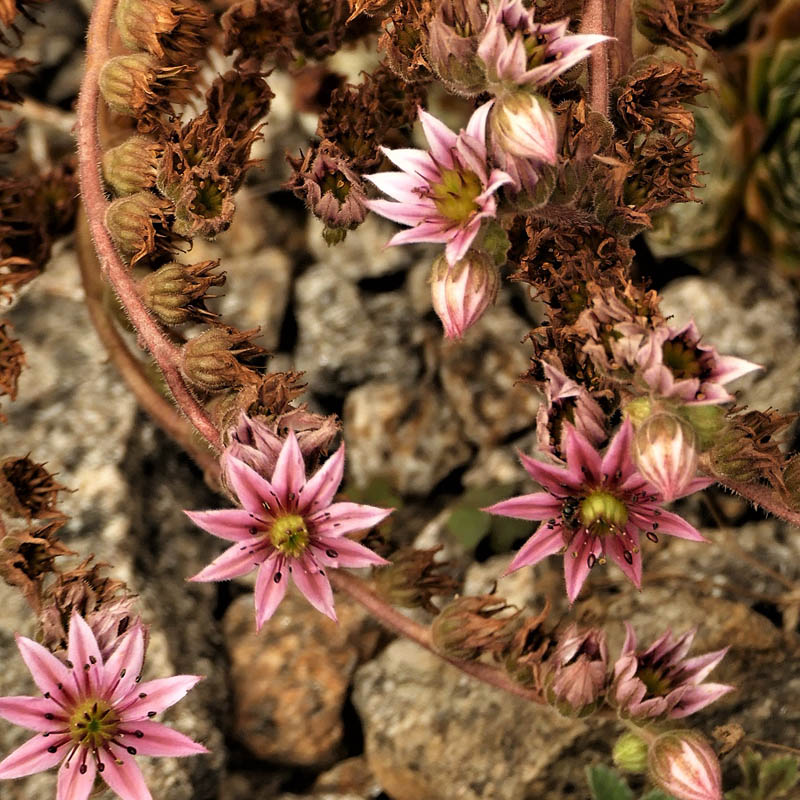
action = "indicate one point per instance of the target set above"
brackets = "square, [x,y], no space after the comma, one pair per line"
[165,353]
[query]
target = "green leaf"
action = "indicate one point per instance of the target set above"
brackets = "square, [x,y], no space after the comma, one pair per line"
[469,525]
[505,531]
[657,794]
[605,784]
[778,775]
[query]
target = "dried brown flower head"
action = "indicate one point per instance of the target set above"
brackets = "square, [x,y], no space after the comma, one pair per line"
[213,360]
[261,31]
[414,577]
[133,165]
[12,359]
[176,293]
[677,23]
[28,490]
[404,40]
[139,225]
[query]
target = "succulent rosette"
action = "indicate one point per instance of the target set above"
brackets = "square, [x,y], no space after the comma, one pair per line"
[660,682]
[288,526]
[95,715]
[445,194]
[596,505]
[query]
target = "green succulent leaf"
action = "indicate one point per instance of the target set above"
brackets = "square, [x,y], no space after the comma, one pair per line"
[606,784]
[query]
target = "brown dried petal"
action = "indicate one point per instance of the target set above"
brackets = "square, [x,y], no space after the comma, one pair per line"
[28,490]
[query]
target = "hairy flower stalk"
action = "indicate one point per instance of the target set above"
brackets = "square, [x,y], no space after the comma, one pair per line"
[288,526]
[445,194]
[95,715]
[595,506]
[660,682]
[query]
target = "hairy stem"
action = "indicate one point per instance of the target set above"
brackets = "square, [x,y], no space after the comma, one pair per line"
[130,368]
[758,494]
[596,20]
[623,31]
[399,623]
[165,353]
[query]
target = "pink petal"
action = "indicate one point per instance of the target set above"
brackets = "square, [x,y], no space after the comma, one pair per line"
[74,784]
[576,562]
[729,368]
[84,654]
[122,774]
[159,740]
[437,231]
[618,459]
[545,542]
[269,592]
[460,243]
[124,665]
[476,127]
[232,524]
[29,713]
[616,548]
[398,185]
[538,506]
[290,472]
[697,697]
[311,581]
[322,486]
[235,561]
[158,695]
[403,213]
[674,525]
[346,553]
[440,138]
[49,674]
[33,756]
[557,480]
[700,666]
[581,455]
[251,489]
[414,162]
[341,518]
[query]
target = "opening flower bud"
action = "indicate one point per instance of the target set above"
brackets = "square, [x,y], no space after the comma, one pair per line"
[461,293]
[630,753]
[684,765]
[523,126]
[133,165]
[666,453]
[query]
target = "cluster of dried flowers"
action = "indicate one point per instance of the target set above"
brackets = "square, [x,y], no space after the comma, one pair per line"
[554,172]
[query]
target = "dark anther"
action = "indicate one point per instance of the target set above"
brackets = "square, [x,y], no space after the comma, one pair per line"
[69,664]
[628,556]
[151,714]
[92,660]
[277,577]
[331,553]
[652,537]
[131,750]
[138,734]
[83,769]
[142,695]
[52,749]
[48,716]
[591,560]
[101,766]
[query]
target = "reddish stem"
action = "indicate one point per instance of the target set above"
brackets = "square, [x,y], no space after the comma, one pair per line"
[165,353]
[596,20]
[399,623]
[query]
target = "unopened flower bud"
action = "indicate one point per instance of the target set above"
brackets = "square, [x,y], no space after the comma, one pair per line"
[453,44]
[630,753]
[132,166]
[523,125]
[132,222]
[707,422]
[174,293]
[684,765]
[470,626]
[666,454]
[578,671]
[135,84]
[461,293]
[211,360]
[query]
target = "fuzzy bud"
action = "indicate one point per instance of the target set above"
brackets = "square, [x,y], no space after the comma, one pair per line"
[461,293]
[211,360]
[133,165]
[470,626]
[174,293]
[630,753]
[134,223]
[666,454]
[523,125]
[579,665]
[684,765]
[706,421]
[453,44]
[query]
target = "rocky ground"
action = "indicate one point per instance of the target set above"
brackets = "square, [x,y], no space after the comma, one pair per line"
[309,709]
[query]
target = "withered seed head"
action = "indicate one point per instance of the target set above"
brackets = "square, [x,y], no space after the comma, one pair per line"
[132,166]
[28,490]
[137,224]
[175,292]
[176,33]
[676,23]
[211,360]
[413,578]
[12,359]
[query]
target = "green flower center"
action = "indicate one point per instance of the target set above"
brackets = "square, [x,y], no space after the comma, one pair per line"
[93,723]
[683,360]
[337,184]
[657,685]
[603,513]
[535,49]
[289,535]
[454,197]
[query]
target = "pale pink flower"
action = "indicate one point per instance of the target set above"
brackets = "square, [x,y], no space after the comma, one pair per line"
[461,293]
[660,682]
[665,449]
[596,505]
[444,194]
[566,402]
[684,765]
[516,50]
[288,526]
[95,715]
[579,664]
[674,363]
